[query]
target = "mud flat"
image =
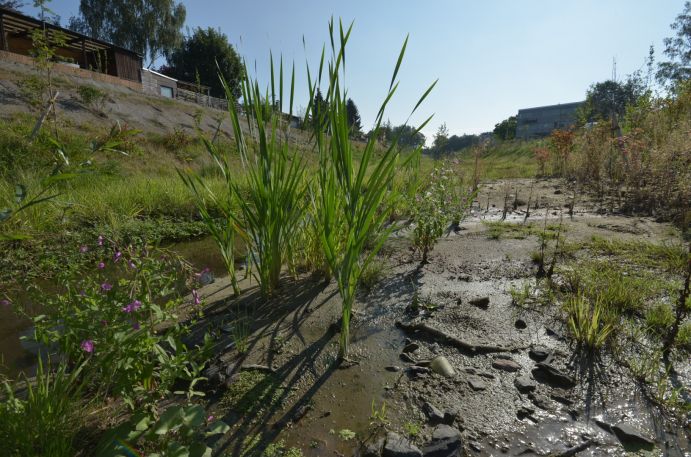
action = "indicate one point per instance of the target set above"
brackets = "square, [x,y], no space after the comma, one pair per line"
[512,381]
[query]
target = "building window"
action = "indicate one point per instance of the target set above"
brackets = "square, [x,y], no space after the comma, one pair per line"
[167,91]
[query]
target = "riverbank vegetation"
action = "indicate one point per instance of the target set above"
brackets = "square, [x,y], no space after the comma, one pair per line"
[127,331]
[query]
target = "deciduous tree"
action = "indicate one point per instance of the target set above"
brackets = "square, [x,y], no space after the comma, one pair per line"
[198,57]
[152,28]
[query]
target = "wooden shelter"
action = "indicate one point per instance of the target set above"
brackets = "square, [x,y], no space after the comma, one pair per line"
[79,50]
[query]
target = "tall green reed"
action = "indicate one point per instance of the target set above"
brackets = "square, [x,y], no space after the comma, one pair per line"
[271,196]
[356,199]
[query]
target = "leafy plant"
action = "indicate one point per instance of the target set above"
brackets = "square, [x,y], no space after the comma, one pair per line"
[179,431]
[118,326]
[355,201]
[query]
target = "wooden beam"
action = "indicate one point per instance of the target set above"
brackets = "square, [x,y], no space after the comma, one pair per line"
[85,64]
[3,39]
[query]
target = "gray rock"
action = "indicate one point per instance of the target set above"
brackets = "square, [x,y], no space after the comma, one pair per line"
[411,347]
[477,384]
[446,442]
[450,416]
[538,353]
[397,446]
[630,436]
[372,448]
[406,357]
[506,365]
[481,302]
[393,368]
[433,413]
[525,384]
[548,374]
[441,365]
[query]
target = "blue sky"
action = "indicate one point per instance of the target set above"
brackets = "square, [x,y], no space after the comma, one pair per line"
[491,57]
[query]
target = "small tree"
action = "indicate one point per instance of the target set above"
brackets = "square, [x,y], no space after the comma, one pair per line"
[353,116]
[441,138]
[506,129]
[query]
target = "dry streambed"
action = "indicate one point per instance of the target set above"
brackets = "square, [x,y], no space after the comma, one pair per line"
[444,360]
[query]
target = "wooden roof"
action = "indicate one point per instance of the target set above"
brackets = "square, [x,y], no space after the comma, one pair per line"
[20,25]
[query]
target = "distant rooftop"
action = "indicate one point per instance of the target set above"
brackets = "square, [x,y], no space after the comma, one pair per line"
[559,105]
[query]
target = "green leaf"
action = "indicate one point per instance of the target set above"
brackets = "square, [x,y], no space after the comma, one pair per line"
[200,450]
[170,418]
[193,416]
[177,450]
[217,428]
[142,423]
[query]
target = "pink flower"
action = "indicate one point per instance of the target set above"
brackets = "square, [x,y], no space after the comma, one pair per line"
[101,265]
[210,418]
[135,325]
[100,240]
[134,306]
[195,297]
[87,346]
[105,287]
[132,265]
[117,256]
[83,249]
[5,302]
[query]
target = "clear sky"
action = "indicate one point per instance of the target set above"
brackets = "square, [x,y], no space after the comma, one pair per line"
[492,57]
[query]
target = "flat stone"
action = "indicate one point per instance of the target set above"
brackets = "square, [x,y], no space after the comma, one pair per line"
[446,442]
[441,365]
[481,302]
[506,365]
[397,446]
[393,368]
[552,376]
[433,413]
[416,369]
[406,357]
[630,436]
[411,347]
[477,384]
[538,353]
[525,384]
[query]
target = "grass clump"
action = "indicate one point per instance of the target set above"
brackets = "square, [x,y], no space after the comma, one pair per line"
[591,321]
[253,392]
[44,422]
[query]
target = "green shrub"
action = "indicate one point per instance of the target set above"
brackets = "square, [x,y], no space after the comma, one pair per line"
[92,97]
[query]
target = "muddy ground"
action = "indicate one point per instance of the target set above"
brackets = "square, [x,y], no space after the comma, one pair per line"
[287,387]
